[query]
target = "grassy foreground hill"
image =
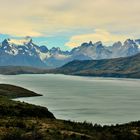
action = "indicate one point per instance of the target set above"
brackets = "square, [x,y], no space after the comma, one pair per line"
[22,121]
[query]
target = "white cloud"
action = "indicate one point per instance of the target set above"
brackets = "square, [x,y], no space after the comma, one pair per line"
[99,35]
[43,17]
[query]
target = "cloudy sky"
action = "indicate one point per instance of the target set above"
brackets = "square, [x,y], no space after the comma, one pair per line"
[68,23]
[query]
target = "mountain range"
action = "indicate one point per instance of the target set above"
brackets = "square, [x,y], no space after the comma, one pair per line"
[24,52]
[125,67]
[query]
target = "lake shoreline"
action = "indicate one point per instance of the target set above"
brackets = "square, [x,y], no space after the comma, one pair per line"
[79,98]
[30,126]
[80,75]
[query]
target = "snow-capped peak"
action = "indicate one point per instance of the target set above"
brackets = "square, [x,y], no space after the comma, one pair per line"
[138,42]
[129,41]
[19,42]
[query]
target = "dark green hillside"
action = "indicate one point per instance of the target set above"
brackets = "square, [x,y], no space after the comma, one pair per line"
[120,67]
[15,108]
[19,109]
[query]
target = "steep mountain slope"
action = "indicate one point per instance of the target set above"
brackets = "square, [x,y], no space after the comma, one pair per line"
[119,67]
[24,52]
[20,52]
[129,48]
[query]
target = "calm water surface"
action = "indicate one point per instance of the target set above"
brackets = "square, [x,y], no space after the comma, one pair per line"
[96,100]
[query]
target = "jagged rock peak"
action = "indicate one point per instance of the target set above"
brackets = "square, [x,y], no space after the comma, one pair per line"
[129,41]
[23,41]
[117,44]
[85,44]
[99,43]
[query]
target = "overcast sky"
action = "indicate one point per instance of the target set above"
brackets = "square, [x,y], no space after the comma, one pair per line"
[68,23]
